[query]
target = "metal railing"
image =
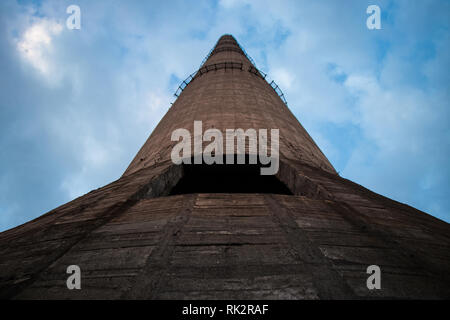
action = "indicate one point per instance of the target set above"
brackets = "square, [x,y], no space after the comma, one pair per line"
[206,69]
[184,84]
[213,51]
[272,83]
[228,65]
[259,73]
[278,91]
[246,54]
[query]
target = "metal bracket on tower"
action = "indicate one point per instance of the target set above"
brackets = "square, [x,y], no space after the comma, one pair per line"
[278,91]
[184,84]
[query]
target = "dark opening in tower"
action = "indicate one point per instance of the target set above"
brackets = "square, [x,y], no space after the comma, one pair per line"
[227,178]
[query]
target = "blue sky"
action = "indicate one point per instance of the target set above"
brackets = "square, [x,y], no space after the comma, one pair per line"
[76,105]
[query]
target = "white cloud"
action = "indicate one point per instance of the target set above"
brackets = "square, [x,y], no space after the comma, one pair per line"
[95,157]
[393,118]
[35,45]
[283,78]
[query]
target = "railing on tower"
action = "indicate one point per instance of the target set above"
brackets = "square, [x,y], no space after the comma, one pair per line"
[206,69]
[215,50]
[230,65]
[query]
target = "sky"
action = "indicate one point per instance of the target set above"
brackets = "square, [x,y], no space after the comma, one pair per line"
[76,105]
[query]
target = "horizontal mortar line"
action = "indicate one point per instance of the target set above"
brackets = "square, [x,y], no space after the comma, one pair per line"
[121,269]
[115,233]
[342,262]
[114,247]
[235,233]
[230,245]
[275,267]
[319,231]
[112,275]
[401,272]
[355,246]
[100,276]
[423,241]
[326,231]
[221,244]
[27,244]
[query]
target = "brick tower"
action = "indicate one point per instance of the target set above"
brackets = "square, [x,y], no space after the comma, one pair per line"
[167,231]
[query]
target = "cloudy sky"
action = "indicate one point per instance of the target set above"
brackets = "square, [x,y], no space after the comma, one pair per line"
[76,105]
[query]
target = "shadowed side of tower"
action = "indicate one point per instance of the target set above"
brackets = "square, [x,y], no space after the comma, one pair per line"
[151,235]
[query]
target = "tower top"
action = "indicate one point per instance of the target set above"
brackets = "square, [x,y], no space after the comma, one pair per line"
[227,43]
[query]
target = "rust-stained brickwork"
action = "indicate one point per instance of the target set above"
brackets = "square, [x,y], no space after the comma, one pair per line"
[132,239]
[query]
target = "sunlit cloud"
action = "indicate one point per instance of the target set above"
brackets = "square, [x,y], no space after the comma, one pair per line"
[35,45]
[283,77]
